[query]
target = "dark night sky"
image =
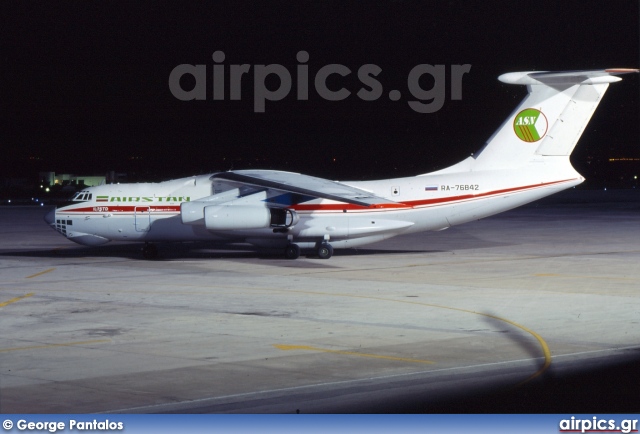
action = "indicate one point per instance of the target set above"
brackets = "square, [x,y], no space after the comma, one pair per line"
[85,84]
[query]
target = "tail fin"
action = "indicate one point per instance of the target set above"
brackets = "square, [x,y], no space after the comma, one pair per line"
[550,120]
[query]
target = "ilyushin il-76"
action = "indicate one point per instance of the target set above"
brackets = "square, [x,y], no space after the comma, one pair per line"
[526,159]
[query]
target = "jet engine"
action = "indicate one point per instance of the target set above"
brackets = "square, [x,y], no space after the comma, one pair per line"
[237,217]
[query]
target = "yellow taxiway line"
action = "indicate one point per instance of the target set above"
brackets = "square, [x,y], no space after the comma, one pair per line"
[13,300]
[40,273]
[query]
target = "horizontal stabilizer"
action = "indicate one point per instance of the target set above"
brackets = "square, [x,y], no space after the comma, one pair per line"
[569,78]
[303,184]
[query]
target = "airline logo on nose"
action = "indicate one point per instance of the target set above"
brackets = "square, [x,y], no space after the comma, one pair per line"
[530,125]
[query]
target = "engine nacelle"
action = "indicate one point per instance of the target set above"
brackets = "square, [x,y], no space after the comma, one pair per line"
[192,213]
[224,218]
[239,217]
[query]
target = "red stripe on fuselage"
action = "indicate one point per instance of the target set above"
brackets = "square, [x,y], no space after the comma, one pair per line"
[423,202]
[118,209]
[489,193]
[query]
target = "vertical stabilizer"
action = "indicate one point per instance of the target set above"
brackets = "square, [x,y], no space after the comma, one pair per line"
[551,118]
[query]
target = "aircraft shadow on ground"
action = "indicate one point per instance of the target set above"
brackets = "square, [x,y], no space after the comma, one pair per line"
[197,250]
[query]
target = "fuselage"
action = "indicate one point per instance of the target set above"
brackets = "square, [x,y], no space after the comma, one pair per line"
[151,212]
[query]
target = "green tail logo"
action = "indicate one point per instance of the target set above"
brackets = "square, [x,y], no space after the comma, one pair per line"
[530,125]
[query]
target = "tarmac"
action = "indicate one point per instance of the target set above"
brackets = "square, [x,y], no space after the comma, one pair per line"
[533,310]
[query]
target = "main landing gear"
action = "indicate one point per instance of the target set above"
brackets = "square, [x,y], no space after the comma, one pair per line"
[292,251]
[149,251]
[324,250]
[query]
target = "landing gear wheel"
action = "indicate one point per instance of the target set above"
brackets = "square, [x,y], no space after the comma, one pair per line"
[325,251]
[149,251]
[292,251]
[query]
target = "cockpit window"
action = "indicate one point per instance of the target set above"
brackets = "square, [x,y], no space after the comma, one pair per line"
[82,196]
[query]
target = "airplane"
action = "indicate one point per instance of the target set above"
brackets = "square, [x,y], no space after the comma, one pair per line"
[527,158]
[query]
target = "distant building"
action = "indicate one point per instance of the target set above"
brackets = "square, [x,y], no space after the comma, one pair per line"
[65,179]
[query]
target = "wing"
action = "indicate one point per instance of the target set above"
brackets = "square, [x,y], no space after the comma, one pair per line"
[302,184]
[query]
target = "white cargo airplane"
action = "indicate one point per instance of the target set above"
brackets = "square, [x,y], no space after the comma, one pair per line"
[526,159]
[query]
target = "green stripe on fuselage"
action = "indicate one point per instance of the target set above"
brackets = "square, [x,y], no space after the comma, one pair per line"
[149,199]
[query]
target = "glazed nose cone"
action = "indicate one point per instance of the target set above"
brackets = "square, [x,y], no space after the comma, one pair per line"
[50,217]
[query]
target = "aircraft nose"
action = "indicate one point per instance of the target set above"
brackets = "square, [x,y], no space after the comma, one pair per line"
[50,218]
